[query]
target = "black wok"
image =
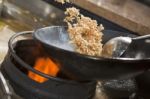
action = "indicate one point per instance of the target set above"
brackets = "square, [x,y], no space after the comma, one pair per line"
[55,41]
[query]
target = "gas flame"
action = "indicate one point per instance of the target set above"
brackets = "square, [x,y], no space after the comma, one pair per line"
[44,65]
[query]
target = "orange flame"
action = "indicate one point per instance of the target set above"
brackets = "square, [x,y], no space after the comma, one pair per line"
[44,65]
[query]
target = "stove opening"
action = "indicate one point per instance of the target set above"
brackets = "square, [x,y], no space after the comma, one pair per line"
[33,54]
[44,65]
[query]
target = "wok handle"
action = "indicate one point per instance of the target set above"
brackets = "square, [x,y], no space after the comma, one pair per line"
[144,37]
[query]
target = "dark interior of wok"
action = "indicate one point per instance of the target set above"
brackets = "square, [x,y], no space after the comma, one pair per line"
[27,71]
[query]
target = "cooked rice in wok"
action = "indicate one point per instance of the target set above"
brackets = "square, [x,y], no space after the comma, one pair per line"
[84,32]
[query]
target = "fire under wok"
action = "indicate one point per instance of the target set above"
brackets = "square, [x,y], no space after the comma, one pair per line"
[55,41]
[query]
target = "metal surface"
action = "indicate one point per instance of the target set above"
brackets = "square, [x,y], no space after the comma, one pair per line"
[83,67]
[139,48]
[119,45]
[115,47]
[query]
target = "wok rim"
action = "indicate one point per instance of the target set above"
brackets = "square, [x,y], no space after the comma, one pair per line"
[35,36]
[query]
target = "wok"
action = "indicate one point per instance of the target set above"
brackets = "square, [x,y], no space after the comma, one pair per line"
[55,41]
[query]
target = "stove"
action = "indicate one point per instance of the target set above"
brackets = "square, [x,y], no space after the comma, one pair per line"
[15,82]
[19,62]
